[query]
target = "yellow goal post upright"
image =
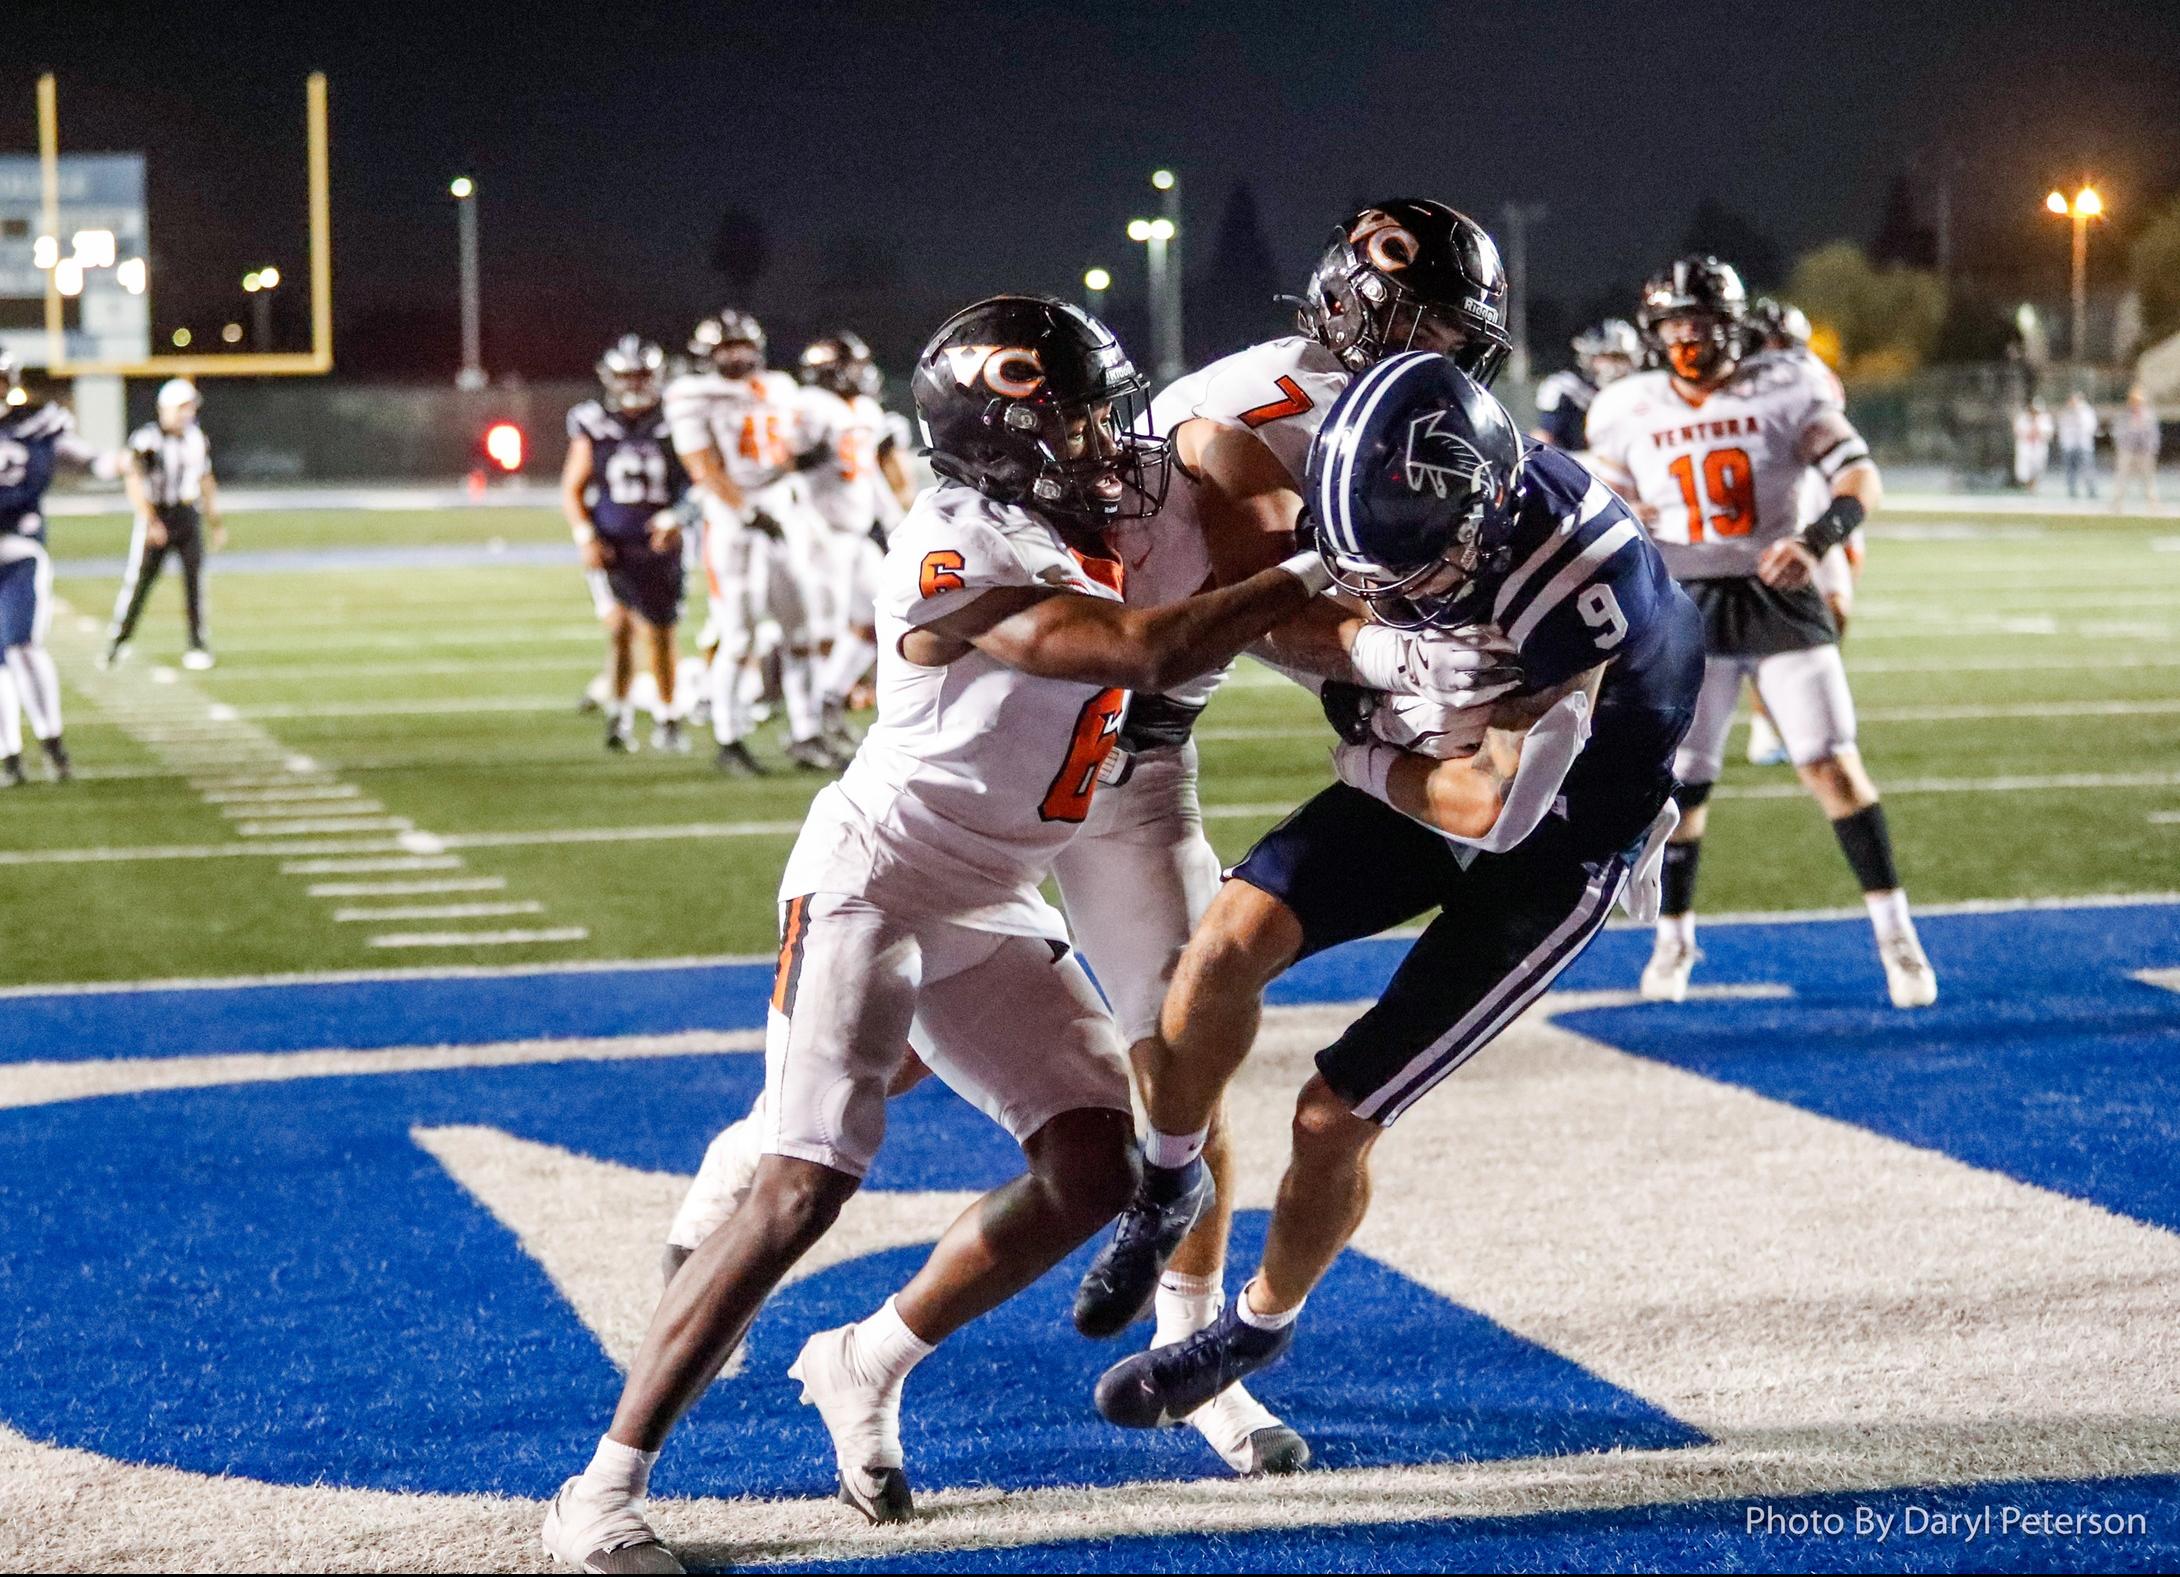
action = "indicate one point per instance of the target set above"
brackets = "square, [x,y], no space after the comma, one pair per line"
[314,362]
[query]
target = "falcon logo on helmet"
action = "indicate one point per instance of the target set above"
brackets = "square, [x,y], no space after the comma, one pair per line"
[1032,401]
[1409,274]
[1411,484]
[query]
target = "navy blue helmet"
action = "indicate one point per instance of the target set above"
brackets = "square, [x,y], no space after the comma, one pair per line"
[1411,488]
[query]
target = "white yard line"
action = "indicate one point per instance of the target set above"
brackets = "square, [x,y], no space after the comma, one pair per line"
[557,933]
[418,889]
[289,827]
[355,915]
[397,862]
[295,794]
[314,806]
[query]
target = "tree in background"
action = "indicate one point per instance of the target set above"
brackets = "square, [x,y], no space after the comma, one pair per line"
[1876,322]
[1902,237]
[1732,237]
[1230,301]
[2154,263]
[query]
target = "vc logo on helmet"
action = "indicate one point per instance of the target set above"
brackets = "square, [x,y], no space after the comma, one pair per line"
[1012,370]
[1384,240]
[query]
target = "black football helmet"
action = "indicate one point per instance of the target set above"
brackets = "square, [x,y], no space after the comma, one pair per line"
[1411,486]
[733,342]
[1773,325]
[1409,274]
[1706,297]
[633,371]
[837,362]
[1032,401]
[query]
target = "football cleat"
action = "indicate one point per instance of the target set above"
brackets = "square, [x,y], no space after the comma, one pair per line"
[1766,748]
[56,757]
[114,656]
[864,1421]
[1248,1436]
[666,735]
[11,772]
[620,736]
[1123,1278]
[587,1537]
[197,659]
[1665,977]
[1908,975]
[812,755]
[1163,1386]
[834,730]
[736,762]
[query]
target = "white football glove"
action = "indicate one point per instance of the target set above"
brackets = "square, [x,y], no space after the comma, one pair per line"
[1443,733]
[1456,668]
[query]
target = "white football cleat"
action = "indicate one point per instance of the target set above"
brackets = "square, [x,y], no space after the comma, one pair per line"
[197,659]
[1248,1436]
[1908,975]
[864,1421]
[1665,977]
[587,1536]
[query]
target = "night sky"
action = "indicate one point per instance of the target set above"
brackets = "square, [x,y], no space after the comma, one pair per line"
[903,159]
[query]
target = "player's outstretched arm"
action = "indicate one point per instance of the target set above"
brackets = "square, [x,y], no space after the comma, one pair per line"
[1066,635]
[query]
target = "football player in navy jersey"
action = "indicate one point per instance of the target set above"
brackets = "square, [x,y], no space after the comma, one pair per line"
[618,491]
[1431,509]
[1602,355]
[35,438]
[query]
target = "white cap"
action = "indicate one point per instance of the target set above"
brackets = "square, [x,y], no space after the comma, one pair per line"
[178,391]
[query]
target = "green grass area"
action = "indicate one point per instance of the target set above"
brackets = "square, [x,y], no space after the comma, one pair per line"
[2039,649]
[85,536]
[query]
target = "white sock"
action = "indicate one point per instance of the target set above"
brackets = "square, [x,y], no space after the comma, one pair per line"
[617,1472]
[1889,914]
[885,1348]
[11,716]
[850,661]
[1185,1305]
[1679,928]
[1174,1149]
[730,712]
[798,691]
[1264,1322]
[38,683]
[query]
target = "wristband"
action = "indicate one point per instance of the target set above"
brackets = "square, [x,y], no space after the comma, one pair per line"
[1310,570]
[1834,526]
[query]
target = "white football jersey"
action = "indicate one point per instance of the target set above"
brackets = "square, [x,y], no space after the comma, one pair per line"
[975,775]
[1725,472]
[1280,390]
[845,488]
[754,423]
[1166,558]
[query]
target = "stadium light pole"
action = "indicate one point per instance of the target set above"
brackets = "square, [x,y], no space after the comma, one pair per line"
[464,191]
[1156,235]
[1170,357]
[259,284]
[1095,282]
[2087,205]
[1518,217]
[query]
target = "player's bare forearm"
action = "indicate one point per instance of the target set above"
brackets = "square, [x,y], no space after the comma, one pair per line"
[1461,797]
[1863,484]
[1314,641]
[896,475]
[709,475]
[574,478]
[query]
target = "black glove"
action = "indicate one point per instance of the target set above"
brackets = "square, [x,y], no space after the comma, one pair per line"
[1349,708]
[761,522]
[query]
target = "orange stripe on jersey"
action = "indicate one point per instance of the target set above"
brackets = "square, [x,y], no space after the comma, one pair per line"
[793,932]
[1294,404]
[1109,573]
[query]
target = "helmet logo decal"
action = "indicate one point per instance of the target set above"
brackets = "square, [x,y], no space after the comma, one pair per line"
[1440,460]
[1387,243]
[1015,371]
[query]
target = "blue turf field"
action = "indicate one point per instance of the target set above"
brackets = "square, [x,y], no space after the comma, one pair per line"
[274,1280]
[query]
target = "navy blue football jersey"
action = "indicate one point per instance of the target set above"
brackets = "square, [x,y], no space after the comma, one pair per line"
[32,440]
[1563,408]
[634,471]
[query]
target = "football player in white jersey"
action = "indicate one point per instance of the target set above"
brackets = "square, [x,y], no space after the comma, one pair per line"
[858,485]
[734,425]
[1005,660]
[1712,448]
[1398,274]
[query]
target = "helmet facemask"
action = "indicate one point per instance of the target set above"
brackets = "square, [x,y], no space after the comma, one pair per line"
[1099,461]
[1697,346]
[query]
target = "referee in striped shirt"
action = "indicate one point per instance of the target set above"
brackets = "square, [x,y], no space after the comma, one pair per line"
[175,499]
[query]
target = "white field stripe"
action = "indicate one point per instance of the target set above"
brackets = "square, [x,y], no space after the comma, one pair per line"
[417,889]
[398,862]
[292,794]
[41,1083]
[288,828]
[323,977]
[556,933]
[279,809]
[213,851]
[445,706]
[438,911]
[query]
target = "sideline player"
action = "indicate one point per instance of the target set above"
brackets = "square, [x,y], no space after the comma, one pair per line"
[912,895]
[733,423]
[1602,355]
[35,437]
[1140,875]
[1712,448]
[1432,511]
[175,500]
[617,490]
[857,484]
